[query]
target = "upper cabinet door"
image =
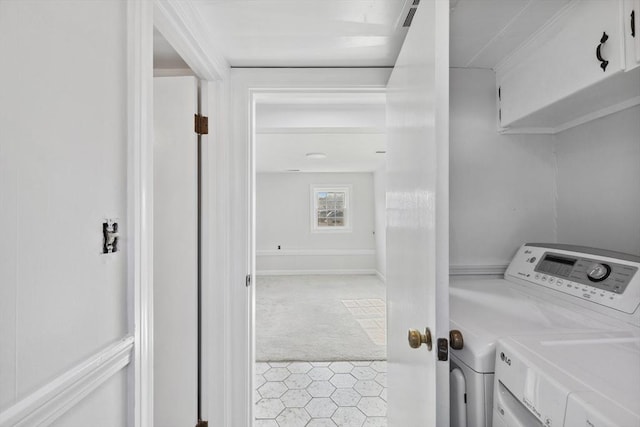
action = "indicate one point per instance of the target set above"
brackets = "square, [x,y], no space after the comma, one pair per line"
[580,47]
[417,221]
[632,38]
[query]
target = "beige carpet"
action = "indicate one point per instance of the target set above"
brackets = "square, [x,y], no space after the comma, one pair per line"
[320,318]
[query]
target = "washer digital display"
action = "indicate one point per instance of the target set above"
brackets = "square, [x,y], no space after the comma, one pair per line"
[556,265]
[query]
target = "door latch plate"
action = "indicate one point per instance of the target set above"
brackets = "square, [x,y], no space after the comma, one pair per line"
[443,349]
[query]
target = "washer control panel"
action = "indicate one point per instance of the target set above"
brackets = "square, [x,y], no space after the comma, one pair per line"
[603,277]
[607,276]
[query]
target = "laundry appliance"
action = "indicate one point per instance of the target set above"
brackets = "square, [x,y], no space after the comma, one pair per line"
[546,289]
[568,380]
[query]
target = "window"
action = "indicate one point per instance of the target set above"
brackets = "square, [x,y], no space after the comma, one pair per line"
[330,209]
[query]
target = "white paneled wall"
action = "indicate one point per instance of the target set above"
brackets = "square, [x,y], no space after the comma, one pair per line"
[502,188]
[104,407]
[283,209]
[580,186]
[599,183]
[63,165]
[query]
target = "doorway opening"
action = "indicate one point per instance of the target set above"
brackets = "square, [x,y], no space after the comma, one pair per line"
[319,257]
[177,252]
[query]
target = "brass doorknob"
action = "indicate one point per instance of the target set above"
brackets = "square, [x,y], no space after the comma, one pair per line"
[417,338]
[455,339]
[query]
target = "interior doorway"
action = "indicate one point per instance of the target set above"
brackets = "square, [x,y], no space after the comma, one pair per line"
[320,326]
[177,249]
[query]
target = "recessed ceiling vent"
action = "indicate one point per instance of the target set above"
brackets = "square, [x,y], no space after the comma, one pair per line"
[409,18]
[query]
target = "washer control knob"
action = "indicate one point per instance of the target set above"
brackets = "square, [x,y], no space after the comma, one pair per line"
[597,272]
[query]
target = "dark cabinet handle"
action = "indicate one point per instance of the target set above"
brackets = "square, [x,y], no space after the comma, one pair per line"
[633,23]
[603,62]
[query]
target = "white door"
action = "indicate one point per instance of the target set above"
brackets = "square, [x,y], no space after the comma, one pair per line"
[175,252]
[417,220]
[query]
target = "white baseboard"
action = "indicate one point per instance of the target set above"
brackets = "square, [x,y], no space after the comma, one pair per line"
[477,270]
[52,400]
[454,270]
[314,272]
[314,252]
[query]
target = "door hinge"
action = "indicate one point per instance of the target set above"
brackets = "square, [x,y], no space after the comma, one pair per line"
[409,18]
[247,280]
[202,423]
[201,124]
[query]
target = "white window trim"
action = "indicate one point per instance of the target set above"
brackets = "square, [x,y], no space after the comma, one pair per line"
[316,188]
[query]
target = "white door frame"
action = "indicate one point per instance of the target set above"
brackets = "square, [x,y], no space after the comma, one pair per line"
[139,208]
[247,85]
[183,28]
[227,200]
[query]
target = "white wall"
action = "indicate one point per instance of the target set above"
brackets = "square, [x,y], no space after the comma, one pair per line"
[580,186]
[103,407]
[62,171]
[502,187]
[380,200]
[283,218]
[599,183]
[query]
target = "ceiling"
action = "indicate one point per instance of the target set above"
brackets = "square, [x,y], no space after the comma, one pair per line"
[344,33]
[349,128]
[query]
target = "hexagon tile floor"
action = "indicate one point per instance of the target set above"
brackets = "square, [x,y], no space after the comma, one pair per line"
[321,394]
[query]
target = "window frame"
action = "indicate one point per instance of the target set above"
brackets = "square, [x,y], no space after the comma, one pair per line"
[331,188]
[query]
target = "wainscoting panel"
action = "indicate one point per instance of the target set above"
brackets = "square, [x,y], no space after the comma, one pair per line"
[52,400]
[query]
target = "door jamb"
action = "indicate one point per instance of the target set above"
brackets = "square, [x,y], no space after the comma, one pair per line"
[187,33]
[139,209]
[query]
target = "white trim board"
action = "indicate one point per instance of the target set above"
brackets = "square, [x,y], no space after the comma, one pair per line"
[139,208]
[604,112]
[477,270]
[364,272]
[320,130]
[314,252]
[454,270]
[183,28]
[49,402]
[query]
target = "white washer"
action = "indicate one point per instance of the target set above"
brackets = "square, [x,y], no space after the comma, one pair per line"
[568,380]
[547,289]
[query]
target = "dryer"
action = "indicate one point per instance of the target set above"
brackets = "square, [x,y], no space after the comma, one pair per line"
[547,288]
[568,380]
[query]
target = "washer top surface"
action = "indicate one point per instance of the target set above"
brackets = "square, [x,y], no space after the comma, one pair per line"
[598,372]
[487,309]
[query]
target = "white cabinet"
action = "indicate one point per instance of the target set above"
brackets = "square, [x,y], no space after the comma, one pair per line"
[631,36]
[572,67]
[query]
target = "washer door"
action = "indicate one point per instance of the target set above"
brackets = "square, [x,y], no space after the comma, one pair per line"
[458,399]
